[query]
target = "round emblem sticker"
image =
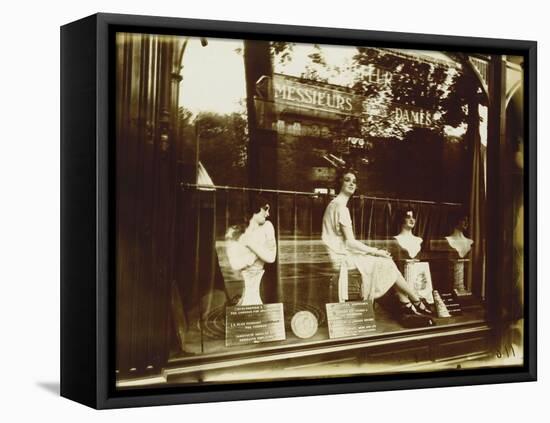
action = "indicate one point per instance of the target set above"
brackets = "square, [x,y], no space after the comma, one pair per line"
[304,324]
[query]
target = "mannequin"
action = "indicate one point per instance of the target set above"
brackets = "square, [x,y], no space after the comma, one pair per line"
[462,245]
[412,244]
[378,271]
[406,240]
[457,240]
[249,249]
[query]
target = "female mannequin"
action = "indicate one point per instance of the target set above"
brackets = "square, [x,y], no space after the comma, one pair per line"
[410,246]
[250,249]
[462,245]
[457,240]
[378,271]
[406,240]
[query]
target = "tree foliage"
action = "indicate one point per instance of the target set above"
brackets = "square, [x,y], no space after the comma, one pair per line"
[223,147]
[387,80]
[282,50]
[222,141]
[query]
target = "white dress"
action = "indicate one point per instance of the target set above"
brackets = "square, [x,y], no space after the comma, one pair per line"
[378,274]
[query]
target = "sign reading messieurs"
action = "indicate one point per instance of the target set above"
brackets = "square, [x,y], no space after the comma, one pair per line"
[296,92]
[313,96]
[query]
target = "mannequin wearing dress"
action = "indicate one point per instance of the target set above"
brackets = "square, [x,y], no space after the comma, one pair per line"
[378,271]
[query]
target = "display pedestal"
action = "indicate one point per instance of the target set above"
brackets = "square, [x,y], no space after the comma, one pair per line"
[418,277]
[408,271]
[251,291]
[457,272]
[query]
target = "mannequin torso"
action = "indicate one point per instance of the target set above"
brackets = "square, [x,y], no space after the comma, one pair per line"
[409,243]
[458,242]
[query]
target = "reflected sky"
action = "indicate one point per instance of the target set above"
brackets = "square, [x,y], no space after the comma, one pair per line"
[214,78]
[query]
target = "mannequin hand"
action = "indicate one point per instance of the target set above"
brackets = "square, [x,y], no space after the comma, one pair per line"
[383,253]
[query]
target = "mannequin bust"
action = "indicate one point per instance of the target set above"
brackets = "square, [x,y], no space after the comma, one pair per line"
[406,239]
[462,245]
[457,240]
[248,249]
[416,273]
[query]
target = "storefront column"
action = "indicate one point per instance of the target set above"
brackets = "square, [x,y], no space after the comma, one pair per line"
[262,147]
[496,185]
[262,151]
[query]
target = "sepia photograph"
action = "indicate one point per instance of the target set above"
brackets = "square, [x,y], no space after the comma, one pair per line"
[294,211]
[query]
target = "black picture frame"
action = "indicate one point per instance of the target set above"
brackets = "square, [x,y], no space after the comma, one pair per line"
[88,201]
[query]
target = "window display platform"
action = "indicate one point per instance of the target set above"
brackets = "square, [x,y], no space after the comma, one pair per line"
[213,336]
[461,338]
[391,346]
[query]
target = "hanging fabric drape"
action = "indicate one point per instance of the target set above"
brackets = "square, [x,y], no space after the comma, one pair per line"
[476,271]
[146,128]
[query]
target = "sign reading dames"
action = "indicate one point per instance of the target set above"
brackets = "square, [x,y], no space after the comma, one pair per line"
[253,324]
[346,320]
[299,93]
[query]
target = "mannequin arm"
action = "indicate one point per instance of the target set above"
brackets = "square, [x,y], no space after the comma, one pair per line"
[355,245]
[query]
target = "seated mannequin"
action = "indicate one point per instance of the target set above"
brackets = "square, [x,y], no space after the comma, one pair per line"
[378,271]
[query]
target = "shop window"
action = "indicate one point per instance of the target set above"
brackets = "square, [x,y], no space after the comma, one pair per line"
[260,145]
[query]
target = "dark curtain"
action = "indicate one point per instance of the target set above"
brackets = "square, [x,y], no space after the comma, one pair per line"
[476,271]
[197,269]
[146,123]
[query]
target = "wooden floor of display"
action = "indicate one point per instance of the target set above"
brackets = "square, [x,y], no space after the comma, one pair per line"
[211,340]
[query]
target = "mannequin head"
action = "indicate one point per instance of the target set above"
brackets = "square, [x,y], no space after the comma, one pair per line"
[405,220]
[462,224]
[346,182]
[459,222]
[259,210]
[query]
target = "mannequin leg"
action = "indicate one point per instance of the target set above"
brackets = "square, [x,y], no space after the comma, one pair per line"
[404,291]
